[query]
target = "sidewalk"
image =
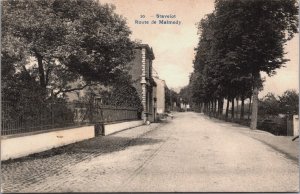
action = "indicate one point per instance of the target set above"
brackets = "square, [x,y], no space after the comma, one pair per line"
[282,144]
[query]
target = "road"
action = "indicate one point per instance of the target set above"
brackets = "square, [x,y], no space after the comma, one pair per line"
[189,153]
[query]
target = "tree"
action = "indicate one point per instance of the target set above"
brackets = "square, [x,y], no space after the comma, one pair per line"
[122,95]
[171,97]
[216,65]
[205,80]
[260,28]
[269,105]
[57,42]
[289,102]
[238,41]
[185,94]
[196,89]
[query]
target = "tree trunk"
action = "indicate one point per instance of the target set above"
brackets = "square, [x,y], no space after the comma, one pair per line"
[237,107]
[227,109]
[215,108]
[210,107]
[221,105]
[206,107]
[218,108]
[242,108]
[254,108]
[41,70]
[249,107]
[232,108]
[254,111]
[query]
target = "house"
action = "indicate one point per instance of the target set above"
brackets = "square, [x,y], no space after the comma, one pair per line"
[141,72]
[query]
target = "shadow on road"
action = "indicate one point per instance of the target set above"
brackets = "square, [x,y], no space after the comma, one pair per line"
[21,173]
[34,168]
[95,146]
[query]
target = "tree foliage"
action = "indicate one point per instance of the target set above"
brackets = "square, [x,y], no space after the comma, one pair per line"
[57,42]
[122,95]
[171,98]
[269,105]
[185,95]
[289,102]
[237,41]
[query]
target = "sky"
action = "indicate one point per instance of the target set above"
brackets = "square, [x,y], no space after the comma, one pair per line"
[173,45]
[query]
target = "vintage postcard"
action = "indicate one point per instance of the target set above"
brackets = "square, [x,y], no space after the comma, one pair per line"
[149,96]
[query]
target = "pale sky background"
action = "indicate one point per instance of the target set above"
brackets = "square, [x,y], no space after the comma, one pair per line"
[173,45]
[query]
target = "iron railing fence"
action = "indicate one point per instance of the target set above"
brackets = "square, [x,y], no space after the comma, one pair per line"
[29,117]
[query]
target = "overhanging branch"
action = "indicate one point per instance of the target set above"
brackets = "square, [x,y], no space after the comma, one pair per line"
[74,89]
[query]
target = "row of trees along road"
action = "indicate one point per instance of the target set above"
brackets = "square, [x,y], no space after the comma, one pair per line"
[48,44]
[237,41]
[171,99]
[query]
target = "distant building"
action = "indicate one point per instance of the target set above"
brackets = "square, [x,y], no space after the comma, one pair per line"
[141,72]
[160,93]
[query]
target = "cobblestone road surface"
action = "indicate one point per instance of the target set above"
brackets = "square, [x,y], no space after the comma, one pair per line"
[189,153]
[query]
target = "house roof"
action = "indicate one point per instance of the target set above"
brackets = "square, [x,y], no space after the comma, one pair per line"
[152,82]
[148,49]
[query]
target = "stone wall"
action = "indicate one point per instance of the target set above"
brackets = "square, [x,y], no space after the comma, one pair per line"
[296,124]
[26,144]
[16,146]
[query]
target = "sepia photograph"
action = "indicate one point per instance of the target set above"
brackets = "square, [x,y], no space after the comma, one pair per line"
[149,96]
